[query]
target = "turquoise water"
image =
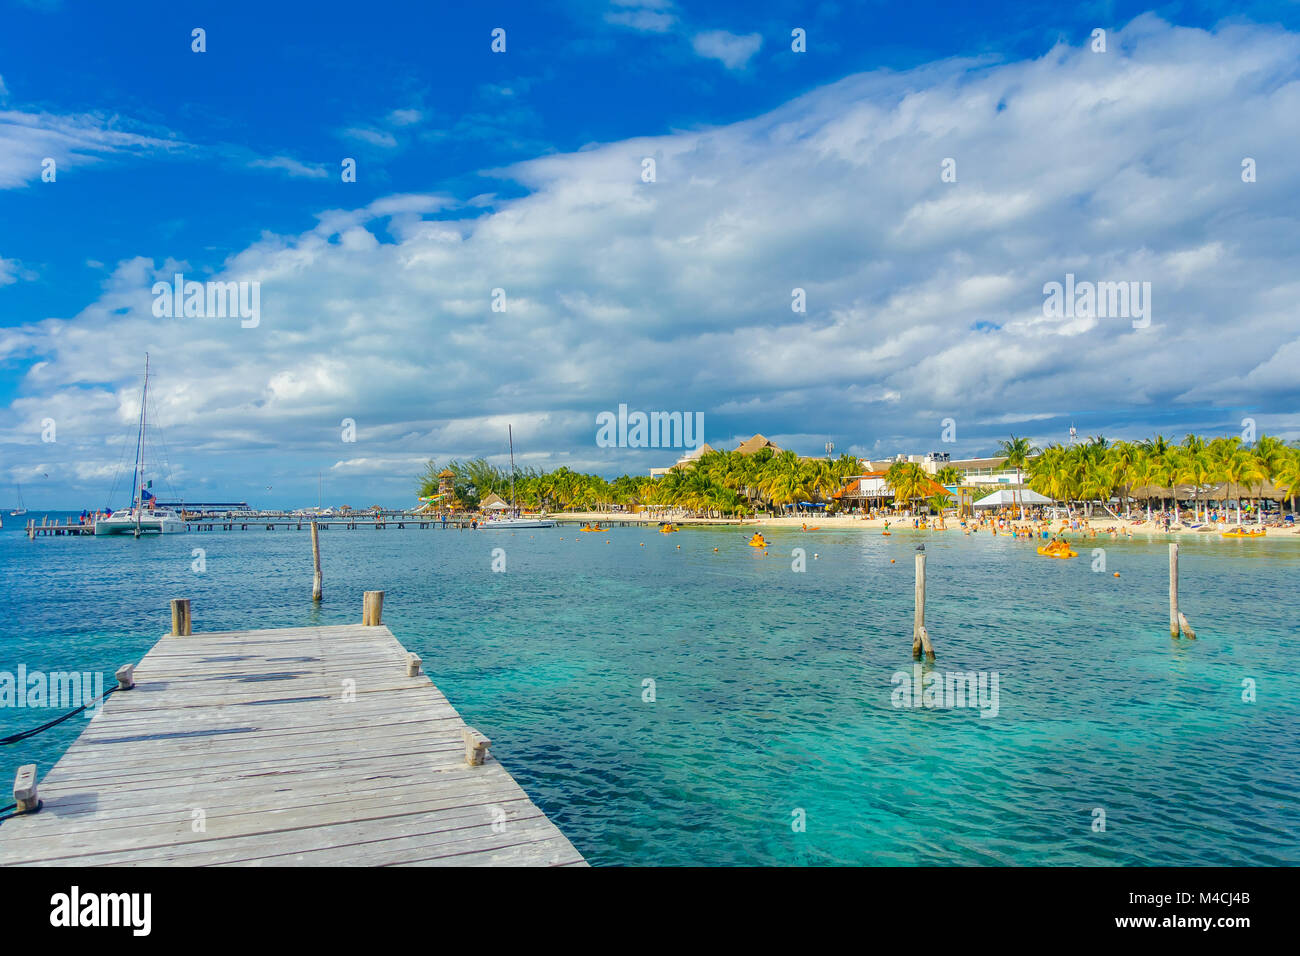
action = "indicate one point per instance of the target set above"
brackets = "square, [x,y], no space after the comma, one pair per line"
[773,688]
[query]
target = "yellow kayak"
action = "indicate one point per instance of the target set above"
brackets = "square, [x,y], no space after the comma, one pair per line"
[757,541]
[1048,551]
[588,528]
[667,529]
[1244,534]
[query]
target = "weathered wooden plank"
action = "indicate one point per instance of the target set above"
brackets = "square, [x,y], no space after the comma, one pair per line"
[240,748]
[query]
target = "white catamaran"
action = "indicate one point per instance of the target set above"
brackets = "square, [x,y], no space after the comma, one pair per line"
[144,516]
[503,524]
[22,508]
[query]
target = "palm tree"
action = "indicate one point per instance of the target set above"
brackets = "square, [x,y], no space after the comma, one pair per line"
[1096,476]
[784,479]
[1237,465]
[948,475]
[1163,472]
[1045,473]
[1287,475]
[1270,453]
[907,480]
[823,479]
[938,502]
[1017,453]
[1123,455]
[1194,469]
[1144,472]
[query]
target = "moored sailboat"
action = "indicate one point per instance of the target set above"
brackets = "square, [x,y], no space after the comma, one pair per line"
[514,521]
[143,516]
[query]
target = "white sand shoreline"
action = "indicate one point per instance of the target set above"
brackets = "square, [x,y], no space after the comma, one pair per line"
[1101,527]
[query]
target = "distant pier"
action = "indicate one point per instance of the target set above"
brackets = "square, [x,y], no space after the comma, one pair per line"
[401,520]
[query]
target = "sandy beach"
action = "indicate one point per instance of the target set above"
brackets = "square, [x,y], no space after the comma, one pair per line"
[1100,527]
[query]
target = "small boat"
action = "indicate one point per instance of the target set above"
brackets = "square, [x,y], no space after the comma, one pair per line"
[587,529]
[815,527]
[511,524]
[1243,533]
[140,520]
[145,515]
[757,541]
[22,508]
[1059,550]
[667,529]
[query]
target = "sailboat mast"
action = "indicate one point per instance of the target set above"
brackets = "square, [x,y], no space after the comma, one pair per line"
[144,408]
[510,433]
[139,448]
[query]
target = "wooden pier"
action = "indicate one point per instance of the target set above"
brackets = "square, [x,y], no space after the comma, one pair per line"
[47,528]
[316,746]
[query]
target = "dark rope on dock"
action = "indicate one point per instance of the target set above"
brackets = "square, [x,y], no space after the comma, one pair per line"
[5,813]
[15,738]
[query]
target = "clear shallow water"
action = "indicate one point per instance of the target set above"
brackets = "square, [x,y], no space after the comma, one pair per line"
[773,687]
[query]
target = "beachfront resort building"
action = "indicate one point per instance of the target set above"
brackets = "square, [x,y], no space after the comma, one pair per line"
[686,459]
[974,471]
[870,490]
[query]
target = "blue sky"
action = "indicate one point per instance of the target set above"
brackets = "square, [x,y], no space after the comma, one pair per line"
[521,170]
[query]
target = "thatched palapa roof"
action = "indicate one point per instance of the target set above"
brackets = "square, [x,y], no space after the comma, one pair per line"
[756,444]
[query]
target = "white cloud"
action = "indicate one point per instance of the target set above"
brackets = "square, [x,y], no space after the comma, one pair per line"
[924,298]
[27,139]
[375,137]
[732,50]
[291,166]
[407,117]
[11,271]
[646,20]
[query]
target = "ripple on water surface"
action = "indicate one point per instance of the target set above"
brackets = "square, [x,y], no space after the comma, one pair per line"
[773,688]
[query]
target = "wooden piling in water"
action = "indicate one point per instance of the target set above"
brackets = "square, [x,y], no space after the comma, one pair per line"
[1173,590]
[315,557]
[181,617]
[1177,619]
[372,608]
[920,636]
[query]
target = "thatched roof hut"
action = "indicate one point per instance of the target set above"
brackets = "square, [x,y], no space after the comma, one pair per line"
[1219,491]
[751,446]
